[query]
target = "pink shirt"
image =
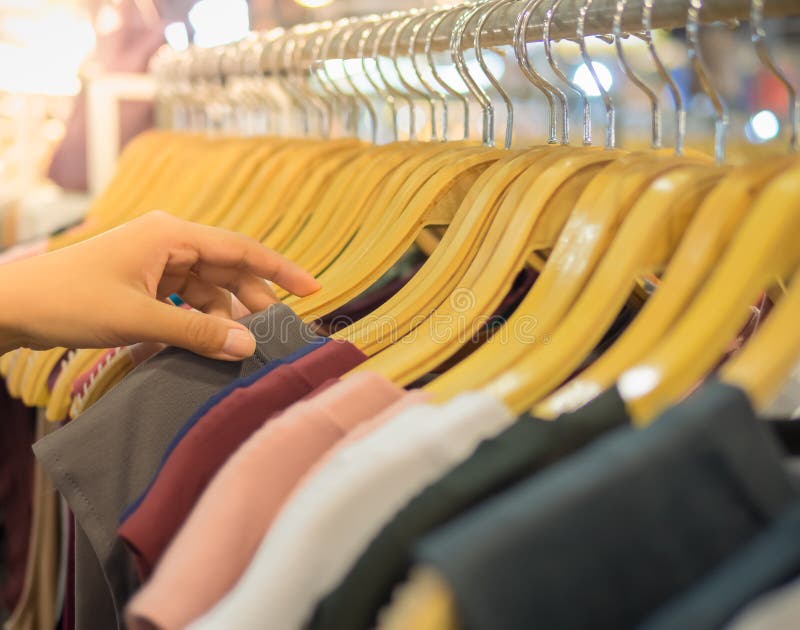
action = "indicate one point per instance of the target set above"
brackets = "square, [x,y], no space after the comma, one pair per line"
[215,545]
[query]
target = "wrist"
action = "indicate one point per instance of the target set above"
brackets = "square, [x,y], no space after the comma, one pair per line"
[12,314]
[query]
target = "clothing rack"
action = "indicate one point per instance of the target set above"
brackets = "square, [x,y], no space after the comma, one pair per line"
[498,29]
[667,14]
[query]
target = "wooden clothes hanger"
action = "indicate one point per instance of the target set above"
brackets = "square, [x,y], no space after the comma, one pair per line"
[423,191]
[762,251]
[768,358]
[482,244]
[720,214]
[263,210]
[714,223]
[384,181]
[593,224]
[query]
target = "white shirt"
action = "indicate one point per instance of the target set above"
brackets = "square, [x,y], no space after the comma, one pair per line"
[342,505]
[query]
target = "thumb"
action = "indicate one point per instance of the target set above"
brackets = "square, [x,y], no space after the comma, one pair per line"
[207,335]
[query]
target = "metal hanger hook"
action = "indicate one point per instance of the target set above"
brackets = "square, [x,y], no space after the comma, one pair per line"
[548,51]
[611,115]
[435,24]
[655,106]
[698,65]
[381,33]
[347,37]
[677,99]
[457,54]
[435,93]
[492,79]
[548,90]
[758,37]
[413,20]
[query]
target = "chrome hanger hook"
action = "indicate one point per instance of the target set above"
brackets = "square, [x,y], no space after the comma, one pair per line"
[302,104]
[457,54]
[388,98]
[550,92]
[656,136]
[346,101]
[412,53]
[758,36]
[548,51]
[381,33]
[269,65]
[696,59]
[362,98]
[675,93]
[296,68]
[492,79]
[404,24]
[435,24]
[611,114]
[330,98]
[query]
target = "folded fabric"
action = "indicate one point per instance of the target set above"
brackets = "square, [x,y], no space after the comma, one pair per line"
[609,535]
[768,562]
[238,507]
[527,446]
[206,441]
[104,459]
[343,503]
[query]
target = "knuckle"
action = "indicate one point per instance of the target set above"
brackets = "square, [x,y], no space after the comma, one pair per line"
[203,333]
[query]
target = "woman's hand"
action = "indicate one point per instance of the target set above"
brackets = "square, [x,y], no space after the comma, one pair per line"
[111,290]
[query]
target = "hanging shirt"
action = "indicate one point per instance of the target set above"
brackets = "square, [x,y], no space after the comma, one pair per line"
[206,441]
[614,532]
[104,459]
[768,562]
[526,447]
[236,510]
[343,503]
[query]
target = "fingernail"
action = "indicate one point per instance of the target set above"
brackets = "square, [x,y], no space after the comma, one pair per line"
[239,343]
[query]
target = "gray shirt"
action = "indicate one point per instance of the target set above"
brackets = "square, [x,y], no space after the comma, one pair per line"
[103,460]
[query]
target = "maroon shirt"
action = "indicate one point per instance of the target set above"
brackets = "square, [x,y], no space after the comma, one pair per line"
[201,453]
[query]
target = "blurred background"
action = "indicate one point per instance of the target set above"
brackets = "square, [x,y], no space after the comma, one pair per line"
[74,87]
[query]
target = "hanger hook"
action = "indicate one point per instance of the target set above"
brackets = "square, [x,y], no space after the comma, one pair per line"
[347,102]
[272,109]
[548,51]
[435,93]
[548,90]
[362,98]
[404,24]
[435,24]
[234,67]
[267,67]
[284,51]
[758,35]
[611,115]
[382,32]
[675,93]
[457,54]
[299,70]
[369,29]
[328,96]
[656,139]
[492,79]
[696,59]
